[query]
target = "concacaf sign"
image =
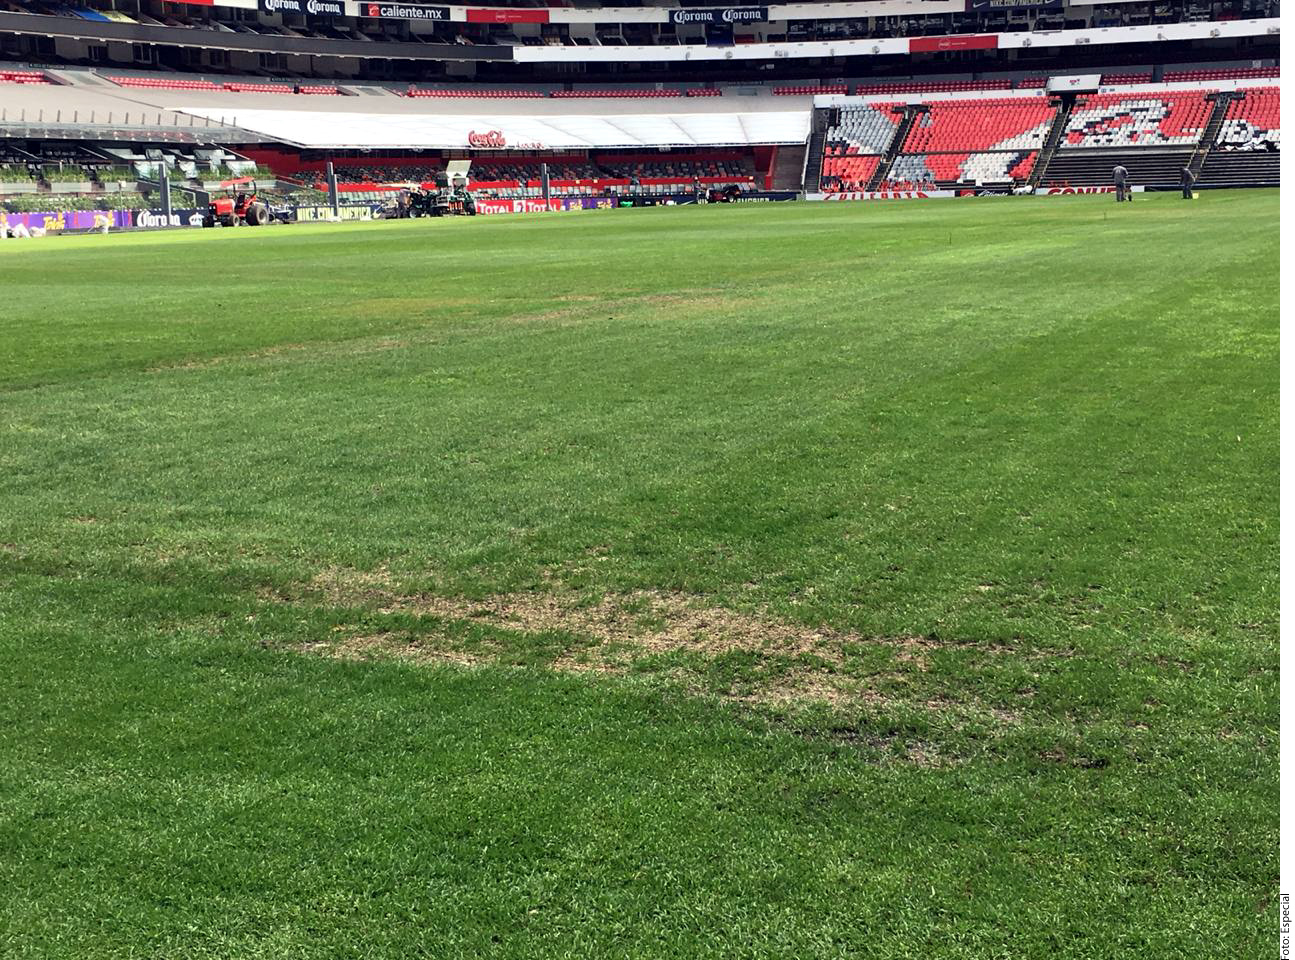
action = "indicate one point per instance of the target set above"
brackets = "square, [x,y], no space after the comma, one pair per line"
[1059,191]
[883,195]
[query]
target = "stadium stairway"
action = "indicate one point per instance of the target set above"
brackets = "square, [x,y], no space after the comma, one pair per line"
[814,160]
[1147,166]
[1217,116]
[1241,168]
[1050,144]
[892,151]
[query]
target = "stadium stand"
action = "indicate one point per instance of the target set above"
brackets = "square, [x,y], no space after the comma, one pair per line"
[989,140]
[931,86]
[1137,120]
[281,88]
[705,92]
[23,76]
[852,149]
[1241,169]
[864,129]
[1246,149]
[196,25]
[1229,73]
[615,94]
[812,91]
[989,124]
[1122,79]
[1253,121]
[1154,135]
[231,86]
[485,93]
[950,169]
[848,173]
[240,87]
[164,83]
[675,167]
[389,173]
[525,170]
[1089,168]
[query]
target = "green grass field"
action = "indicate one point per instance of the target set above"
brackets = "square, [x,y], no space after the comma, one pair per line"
[861,580]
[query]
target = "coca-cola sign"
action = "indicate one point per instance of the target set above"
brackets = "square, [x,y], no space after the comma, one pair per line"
[494,139]
[493,15]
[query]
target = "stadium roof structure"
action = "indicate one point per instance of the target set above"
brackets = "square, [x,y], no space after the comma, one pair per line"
[326,129]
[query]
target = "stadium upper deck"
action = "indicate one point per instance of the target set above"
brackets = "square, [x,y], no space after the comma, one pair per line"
[223,108]
[354,39]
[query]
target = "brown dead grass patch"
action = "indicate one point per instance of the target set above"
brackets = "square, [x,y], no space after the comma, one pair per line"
[613,634]
[641,621]
[383,644]
[346,587]
[578,310]
[408,306]
[648,621]
[310,350]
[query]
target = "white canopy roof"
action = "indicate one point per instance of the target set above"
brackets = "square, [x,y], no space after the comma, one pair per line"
[359,130]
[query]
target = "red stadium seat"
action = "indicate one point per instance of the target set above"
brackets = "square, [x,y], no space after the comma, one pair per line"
[165,83]
[979,125]
[1222,73]
[1252,122]
[1138,120]
[23,76]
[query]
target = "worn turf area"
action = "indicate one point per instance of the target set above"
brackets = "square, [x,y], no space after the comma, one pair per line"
[886,580]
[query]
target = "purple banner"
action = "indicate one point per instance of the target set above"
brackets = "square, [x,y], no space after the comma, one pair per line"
[71,220]
[520,205]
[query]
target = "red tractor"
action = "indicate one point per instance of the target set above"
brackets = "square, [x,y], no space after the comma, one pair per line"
[240,205]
